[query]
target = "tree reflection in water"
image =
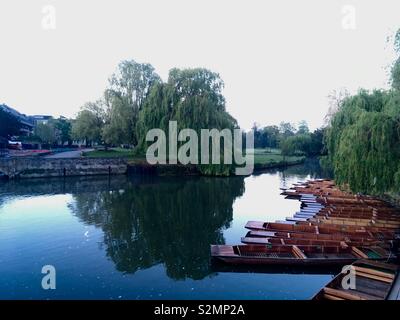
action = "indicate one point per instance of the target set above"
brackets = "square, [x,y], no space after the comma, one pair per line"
[162,220]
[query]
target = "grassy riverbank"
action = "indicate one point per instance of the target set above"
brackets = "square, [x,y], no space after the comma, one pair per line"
[271,158]
[110,153]
[263,158]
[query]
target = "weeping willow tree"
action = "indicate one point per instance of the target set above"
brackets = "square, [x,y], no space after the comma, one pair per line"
[193,98]
[363,138]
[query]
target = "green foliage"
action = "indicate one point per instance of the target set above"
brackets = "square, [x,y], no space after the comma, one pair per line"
[133,80]
[138,101]
[290,140]
[396,75]
[316,147]
[296,145]
[89,123]
[267,137]
[128,89]
[397,41]
[120,123]
[63,128]
[303,127]
[46,132]
[110,153]
[363,141]
[303,143]
[363,138]
[264,158]
[286,129]
[193,98]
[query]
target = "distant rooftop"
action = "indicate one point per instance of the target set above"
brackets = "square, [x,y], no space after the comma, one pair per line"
[41,117]
[22,117]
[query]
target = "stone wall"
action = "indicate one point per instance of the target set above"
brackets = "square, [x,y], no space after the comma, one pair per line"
[41,167]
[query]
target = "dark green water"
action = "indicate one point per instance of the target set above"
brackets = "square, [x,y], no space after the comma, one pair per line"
[143,237]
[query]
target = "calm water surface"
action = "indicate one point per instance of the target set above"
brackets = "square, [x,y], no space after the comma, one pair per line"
[143,237]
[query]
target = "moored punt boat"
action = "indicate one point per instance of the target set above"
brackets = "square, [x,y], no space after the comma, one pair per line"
[368,224]
[352,232]
[373,281]
[307,242]
[295,255]
[388,232]
[334,215]
[353,212]
[312,236]
[364,208]
[292,241]
[349,215]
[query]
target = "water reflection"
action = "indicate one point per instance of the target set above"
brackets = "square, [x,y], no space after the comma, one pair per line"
[310,168]
[154,231]
[162,220]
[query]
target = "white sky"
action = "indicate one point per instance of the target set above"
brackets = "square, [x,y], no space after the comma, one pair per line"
[279,59]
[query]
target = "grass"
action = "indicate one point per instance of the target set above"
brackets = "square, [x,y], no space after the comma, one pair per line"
[268,157]
[110,153]
[263,158]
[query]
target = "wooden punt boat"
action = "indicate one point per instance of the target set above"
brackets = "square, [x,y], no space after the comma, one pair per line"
[295,255]
[348,216]
[309,227]
[352,232]
[310,236]
[285,242]
[368,224]
[352,213]
[373,281]
[333,201]
[361,208]
[387,233]
[361,215]
[248,239]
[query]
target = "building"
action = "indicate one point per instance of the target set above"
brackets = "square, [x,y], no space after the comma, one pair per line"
[27,122]
[41,119]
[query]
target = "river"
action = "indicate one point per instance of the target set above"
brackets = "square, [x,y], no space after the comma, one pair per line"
[144,237]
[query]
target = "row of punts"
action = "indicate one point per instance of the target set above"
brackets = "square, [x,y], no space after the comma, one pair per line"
[332,227]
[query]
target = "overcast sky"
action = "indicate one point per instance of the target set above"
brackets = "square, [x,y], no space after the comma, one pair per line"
[279,59]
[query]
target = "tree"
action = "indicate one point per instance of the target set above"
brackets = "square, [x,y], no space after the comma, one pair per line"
[193,98]
[267,137]
[317,142]
[335,101]
[9,124]
[63,128]
[89,123]
[120,124]
[363,141]
[396,66]
[257,135]
[286,129]
[303,127]
[296,145]
[46,132]
[128,88]
[396,75]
